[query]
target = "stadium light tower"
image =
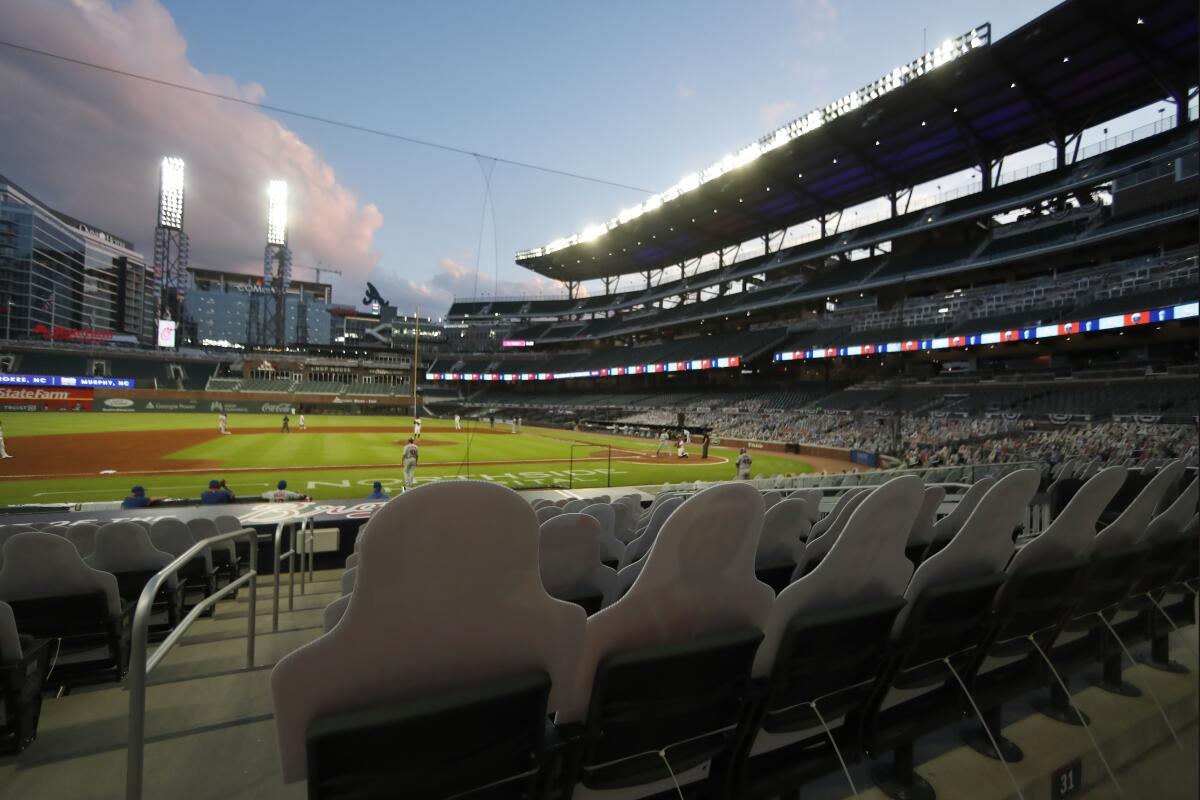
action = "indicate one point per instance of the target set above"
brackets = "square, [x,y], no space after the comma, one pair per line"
[277,266]
[170,240]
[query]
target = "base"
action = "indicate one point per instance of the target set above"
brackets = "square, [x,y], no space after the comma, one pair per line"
[1167,666]
[977,739]
[1068,716]
[917,789]
[1123,688]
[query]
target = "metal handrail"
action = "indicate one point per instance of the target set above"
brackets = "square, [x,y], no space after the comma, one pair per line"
[141,663]
[279,557]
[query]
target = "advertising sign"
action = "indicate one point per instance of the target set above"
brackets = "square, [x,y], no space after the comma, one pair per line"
[166,333]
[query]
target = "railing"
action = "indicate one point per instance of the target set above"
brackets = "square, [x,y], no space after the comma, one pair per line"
[306,570]
[141,663]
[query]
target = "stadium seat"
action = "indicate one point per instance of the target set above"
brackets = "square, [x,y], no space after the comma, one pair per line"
[24,661]
[576,505]
[781,545]
[83,536]
[569,560]
[227,523]
[823,524]
[1031,608]
[623,519]
[813,498]
[55,595]
[224,554]
[640,546]
[946,528]
[1130,526]
[174,537]
[922,530]
[818,545]
[945,620]
[824,647]
[664,671]
[124,550]
[449,638]
[611,548]
[546,512]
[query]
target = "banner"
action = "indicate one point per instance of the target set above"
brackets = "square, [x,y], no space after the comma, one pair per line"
[59,398]
[863,457]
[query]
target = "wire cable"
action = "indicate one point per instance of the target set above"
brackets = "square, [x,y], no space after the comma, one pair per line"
[317,118]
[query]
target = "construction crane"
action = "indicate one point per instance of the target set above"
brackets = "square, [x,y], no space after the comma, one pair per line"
[318,270]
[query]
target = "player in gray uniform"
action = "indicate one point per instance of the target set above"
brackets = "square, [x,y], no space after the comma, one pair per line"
[663,441]
[743,465]
[409,459]
[3,451]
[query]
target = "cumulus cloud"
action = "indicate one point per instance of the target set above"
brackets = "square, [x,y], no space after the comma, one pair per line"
[89,143]
[454,278]
[818,20]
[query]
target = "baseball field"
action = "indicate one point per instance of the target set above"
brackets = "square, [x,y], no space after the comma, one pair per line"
[60,457]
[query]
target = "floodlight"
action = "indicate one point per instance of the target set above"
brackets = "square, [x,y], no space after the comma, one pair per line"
[277,212]
[170,193]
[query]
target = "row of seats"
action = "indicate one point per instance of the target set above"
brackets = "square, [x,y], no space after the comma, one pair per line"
[442,661]
[78,586]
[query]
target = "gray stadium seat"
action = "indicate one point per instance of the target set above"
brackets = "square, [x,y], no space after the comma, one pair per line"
[569,560]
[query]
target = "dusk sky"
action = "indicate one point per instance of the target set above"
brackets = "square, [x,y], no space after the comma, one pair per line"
[640,93]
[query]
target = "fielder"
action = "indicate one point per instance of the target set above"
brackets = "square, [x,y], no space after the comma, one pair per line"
[3,452]
[457,422]
[687,436]
[663,441]
[416,428]
[223,423]
[743,465]
[301,421]
[409,459]
[513,422]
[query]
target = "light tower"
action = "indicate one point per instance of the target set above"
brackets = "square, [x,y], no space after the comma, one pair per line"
[170,241]
[277,266]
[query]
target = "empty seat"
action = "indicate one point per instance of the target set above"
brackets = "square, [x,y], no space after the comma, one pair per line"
[83,536]
[640,546]
[173,536]
[23,663]
[818,545]
[665,669]
[781,545]
[224,554]
[467,622]
[124,550]
[54,594]
[611,548]
[569,554]
[948,526]
[546,512]
[921,534]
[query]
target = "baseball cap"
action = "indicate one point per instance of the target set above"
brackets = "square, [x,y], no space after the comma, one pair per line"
[378,485]
[138,490]
[281,485]
[214,484]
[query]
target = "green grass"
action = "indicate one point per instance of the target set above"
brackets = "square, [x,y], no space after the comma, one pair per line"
[341,465]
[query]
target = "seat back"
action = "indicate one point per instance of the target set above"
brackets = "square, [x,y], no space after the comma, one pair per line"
[1036,599]
[697,579]
[10,639]
[576,505]
[946,527]
[983,546]
[1171,522]
[785,527]
[1061,492]
[227,523]
[173,536]
[439,744]
[126,547]
[83,536]
[611,548]
[203,528]
[1071,535]
[569,554]
[823,524]
[450,571]
[921,533]
[546,512]
[682,697]
[641,545]
[1130,526]
[623,522]
[817,546]
[41,569]
[812,499]
[865,565]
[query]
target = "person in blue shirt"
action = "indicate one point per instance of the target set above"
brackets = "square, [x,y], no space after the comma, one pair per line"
[137,498]
[379,493]
[215,495]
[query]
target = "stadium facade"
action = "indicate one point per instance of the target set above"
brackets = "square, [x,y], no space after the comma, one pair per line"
[62,278]
[220,303]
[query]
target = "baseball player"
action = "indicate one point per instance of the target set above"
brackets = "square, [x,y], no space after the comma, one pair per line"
[301,421]
[681,452]
[513,422]
[3,452]
[416,428]
[287,427]
[663,441]
[223,422]
[743,465]
[519,421]
[457,422]
[409,459]
[283,495]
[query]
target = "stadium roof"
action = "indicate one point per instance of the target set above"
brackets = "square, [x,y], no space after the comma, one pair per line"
[1079,64]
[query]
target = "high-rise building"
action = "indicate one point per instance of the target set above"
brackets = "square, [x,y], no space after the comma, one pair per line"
[60,276]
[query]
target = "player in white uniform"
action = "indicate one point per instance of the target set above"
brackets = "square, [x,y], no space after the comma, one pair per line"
[301,421]
[663,441]
[743,465]
[3,452]
[416,428]
[687,436]
[513,423]
[457,422]
[681,453]
[409,459]
[223,422]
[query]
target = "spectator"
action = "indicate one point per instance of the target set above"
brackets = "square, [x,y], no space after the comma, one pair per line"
[281,494]
[379,493]
[137,498]
[216,494]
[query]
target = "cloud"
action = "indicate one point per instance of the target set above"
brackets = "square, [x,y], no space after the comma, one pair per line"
[818,20]
[684,92]
[453,278]
[89,143]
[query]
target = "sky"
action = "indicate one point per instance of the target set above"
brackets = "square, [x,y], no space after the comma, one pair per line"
[635,92]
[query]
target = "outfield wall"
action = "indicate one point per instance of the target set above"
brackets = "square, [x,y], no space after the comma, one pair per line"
[175,400]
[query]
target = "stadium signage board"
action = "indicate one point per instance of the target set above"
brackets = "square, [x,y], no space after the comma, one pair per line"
[20,398]
[65,380]
[723,362]
[265,514]
[1115,322]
